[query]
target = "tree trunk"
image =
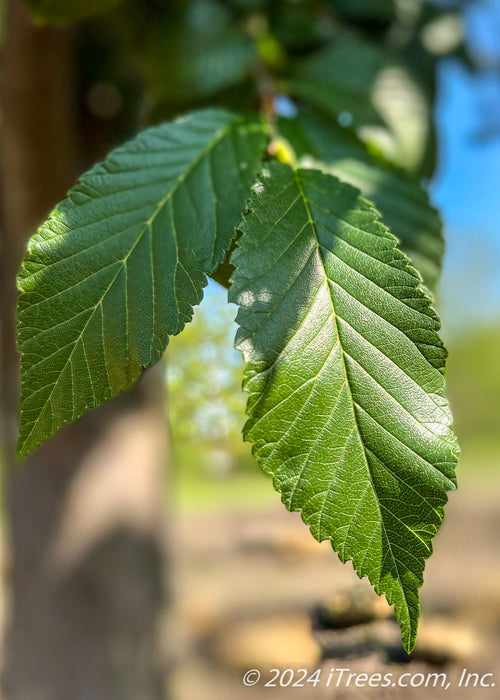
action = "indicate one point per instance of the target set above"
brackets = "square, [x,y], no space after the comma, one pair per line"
[84,513]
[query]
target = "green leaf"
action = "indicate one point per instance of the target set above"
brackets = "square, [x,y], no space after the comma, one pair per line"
[354,79]
[67,10]
[402,201]
[209,50]
[344,368]
[119,265]
[340,79]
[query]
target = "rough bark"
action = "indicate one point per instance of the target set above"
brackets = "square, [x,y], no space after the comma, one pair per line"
[83,514]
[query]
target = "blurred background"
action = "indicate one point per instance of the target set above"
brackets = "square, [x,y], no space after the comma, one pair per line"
[144,562]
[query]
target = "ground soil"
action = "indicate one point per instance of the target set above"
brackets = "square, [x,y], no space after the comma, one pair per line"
[252,589]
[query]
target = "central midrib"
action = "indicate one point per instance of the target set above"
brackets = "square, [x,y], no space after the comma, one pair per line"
[347,379]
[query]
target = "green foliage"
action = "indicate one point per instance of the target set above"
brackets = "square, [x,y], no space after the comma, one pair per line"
[120,264]
[345,367]
[67,10]
[209,52]
[402,201]
[340,79]
[347,409]
[369,85]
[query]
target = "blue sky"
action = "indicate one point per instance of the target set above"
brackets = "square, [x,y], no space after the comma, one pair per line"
[466,187]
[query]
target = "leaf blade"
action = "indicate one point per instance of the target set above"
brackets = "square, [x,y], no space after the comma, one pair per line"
[120,263]
[210,56]
[346,394]
[376,91]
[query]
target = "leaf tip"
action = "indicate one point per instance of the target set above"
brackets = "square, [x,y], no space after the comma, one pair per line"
[409,640]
